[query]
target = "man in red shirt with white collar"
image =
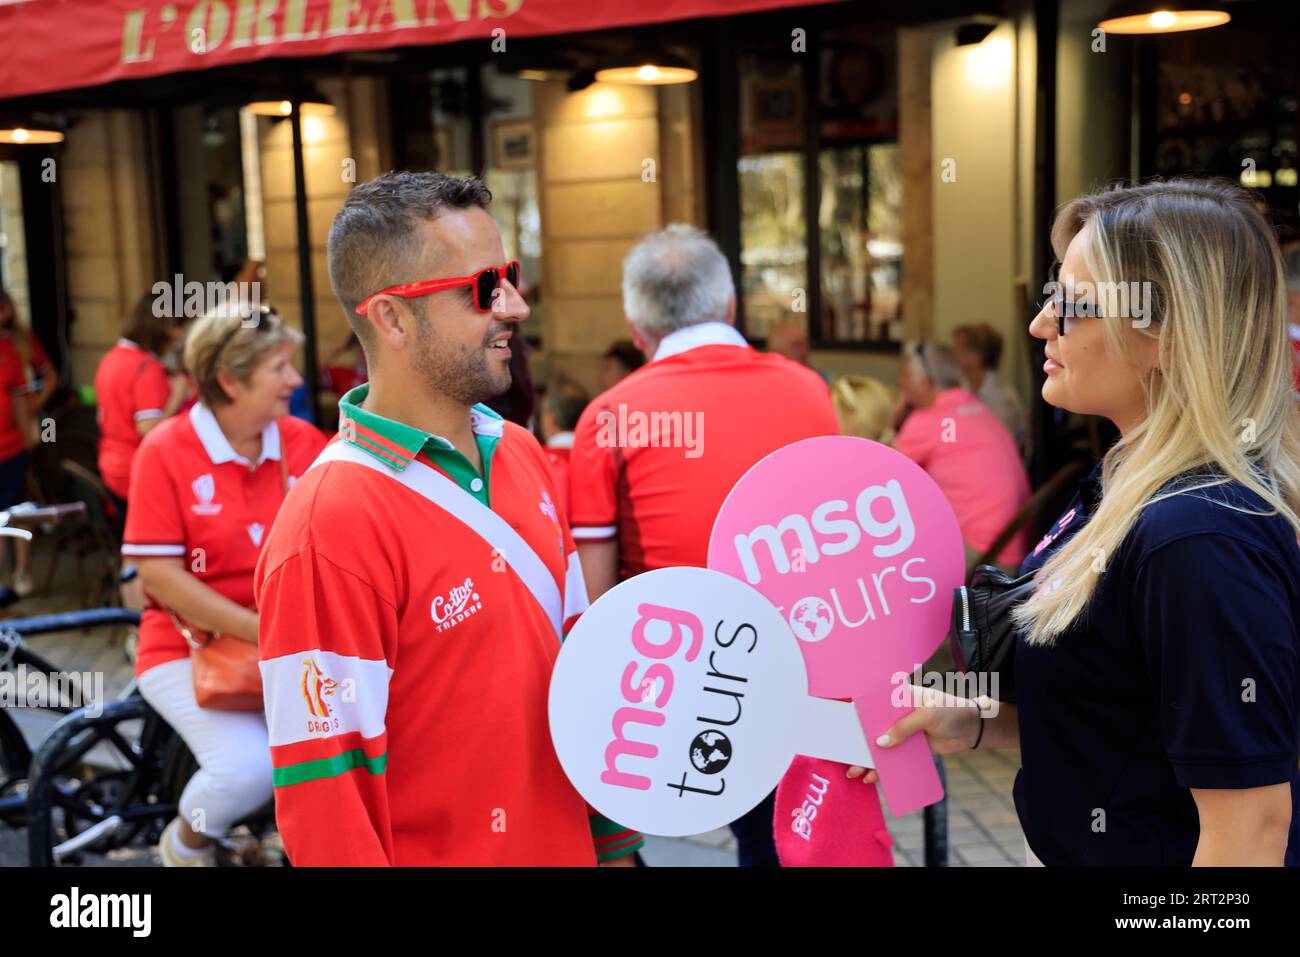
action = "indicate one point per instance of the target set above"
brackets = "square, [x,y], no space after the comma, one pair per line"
[654,456]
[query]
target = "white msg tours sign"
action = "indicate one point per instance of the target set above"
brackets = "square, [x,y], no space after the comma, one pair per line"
[680,698]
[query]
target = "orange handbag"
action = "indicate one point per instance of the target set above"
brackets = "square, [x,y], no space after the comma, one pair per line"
[226,675]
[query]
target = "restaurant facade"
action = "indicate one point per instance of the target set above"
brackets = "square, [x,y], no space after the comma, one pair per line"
[874,173]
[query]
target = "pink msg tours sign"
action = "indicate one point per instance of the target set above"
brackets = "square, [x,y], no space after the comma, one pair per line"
[859,552]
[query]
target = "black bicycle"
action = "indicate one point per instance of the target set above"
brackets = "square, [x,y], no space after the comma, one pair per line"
[108,775]
[17,662]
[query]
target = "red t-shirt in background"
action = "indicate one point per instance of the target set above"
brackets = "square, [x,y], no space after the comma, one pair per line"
[720,407]
[35,360]
[40,359]
[13,381]
[557,457]
[131,385]
[193,498]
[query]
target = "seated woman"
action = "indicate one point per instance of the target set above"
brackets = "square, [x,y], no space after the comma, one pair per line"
[205,488]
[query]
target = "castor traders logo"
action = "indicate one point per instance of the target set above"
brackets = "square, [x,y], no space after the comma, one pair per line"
[459,603]
[679,699]
[317,687]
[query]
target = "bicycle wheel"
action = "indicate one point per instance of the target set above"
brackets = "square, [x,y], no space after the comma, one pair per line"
[15,755]
[14,759]
[79,802]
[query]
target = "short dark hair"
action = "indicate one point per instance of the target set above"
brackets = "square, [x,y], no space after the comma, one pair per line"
[147,329]
[375,241]
[984,341]
[565,400]
[626,354]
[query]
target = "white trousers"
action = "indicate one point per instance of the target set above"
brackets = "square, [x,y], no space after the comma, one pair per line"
[232,748]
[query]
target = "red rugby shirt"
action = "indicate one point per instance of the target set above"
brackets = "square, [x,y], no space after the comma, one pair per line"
[406,663]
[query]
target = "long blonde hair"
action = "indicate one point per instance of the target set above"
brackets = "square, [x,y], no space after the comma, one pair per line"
[1220,394]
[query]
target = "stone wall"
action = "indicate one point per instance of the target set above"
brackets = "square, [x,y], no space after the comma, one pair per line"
[112,253]
[616,162]
[338,150]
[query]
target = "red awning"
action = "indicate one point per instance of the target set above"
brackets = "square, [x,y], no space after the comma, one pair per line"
[48,45]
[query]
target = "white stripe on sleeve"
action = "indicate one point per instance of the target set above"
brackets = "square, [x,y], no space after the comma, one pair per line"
[595,532]
[575,588]
[319,694]
[152,551]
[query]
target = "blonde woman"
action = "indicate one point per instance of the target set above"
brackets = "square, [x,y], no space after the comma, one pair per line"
[205,488]
[1157,679]
[864,406]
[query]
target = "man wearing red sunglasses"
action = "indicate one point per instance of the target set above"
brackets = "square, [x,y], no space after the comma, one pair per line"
[416,585]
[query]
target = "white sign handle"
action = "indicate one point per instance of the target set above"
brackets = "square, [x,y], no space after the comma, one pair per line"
[831,730]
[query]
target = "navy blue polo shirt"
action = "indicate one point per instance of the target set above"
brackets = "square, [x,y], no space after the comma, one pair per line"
[1183,672]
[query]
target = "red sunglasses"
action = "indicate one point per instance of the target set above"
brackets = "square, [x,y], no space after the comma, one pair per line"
[484,282]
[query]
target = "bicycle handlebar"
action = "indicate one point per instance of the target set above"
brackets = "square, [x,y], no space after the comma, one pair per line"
[29,515]
[70,621]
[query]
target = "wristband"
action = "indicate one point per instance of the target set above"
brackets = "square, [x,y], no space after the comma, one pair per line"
[980,712]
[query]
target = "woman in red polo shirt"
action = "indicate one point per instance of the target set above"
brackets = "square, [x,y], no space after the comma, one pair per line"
[134,392]
[205,488]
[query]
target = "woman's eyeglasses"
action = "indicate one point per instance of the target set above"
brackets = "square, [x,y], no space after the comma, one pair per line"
[484,283]
[1064,311]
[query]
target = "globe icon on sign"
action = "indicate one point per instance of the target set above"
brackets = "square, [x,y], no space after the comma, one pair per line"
[811,619]
[710,752]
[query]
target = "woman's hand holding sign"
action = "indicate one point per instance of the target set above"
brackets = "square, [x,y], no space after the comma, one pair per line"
[950,724]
